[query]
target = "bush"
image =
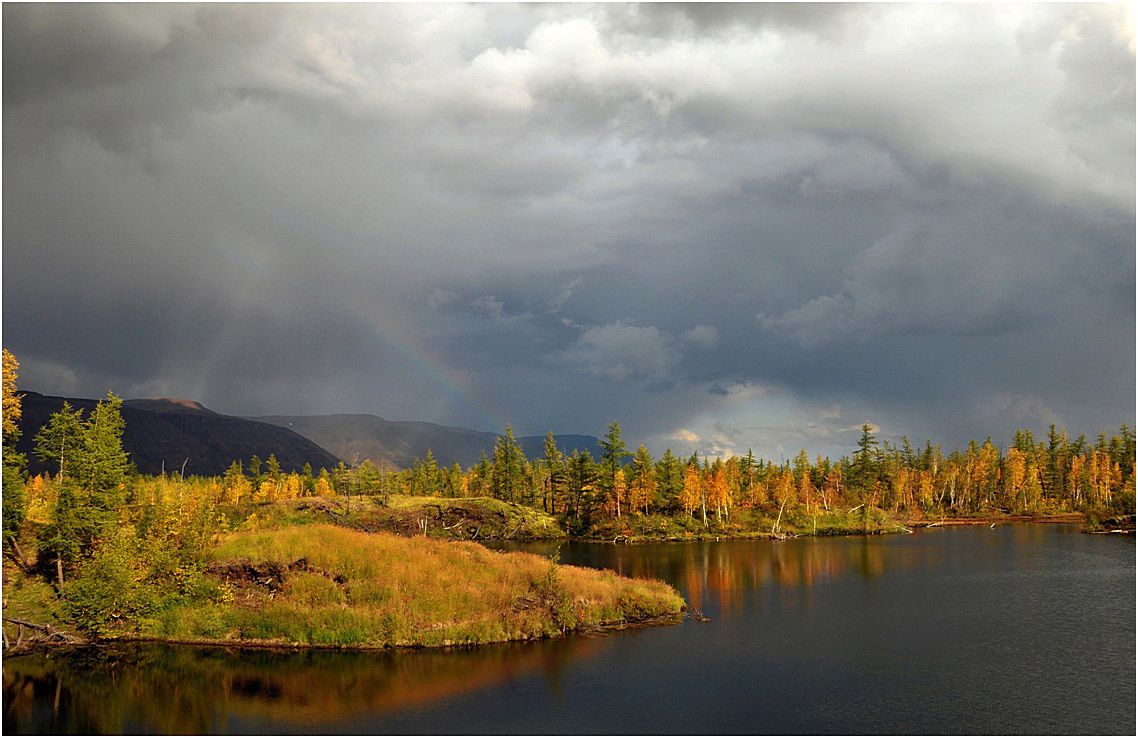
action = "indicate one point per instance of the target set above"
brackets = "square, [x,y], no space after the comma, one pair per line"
[109,586]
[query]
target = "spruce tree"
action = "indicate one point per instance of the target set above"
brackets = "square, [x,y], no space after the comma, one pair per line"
[613,453]
[555,482]
[670,477]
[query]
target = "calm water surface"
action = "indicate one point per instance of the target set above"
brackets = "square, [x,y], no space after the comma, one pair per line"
[1016,629]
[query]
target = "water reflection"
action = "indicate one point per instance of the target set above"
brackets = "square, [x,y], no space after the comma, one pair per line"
[167,689]
[720,574]
[836,632]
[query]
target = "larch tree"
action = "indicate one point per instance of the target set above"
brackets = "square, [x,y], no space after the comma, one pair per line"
[14,503]
[692,494]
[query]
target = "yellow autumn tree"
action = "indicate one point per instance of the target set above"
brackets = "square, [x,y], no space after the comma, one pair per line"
[806,492]
[11,401]
[1015,476]
[783,488]
[925,490]
[618,495]
[691,494]
[833,487]
[642,492]
[718,495]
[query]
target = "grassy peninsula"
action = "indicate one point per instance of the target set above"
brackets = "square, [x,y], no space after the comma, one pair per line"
[328,586]
[100,552]
[321,585]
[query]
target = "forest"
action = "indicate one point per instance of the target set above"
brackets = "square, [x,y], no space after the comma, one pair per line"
[106,539]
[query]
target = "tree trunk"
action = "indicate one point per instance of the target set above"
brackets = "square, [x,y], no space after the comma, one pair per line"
[59,570]
[23,562]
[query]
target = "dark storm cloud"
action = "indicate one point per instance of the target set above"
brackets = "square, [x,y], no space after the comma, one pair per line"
[725,225]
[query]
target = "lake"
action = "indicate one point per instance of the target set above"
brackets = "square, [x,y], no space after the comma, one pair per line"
[1013,629]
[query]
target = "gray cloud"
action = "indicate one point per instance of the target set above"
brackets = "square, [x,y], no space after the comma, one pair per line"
[621,351]
[726,220]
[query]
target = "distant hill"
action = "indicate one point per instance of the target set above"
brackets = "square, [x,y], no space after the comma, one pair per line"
[399,442]
[170,431]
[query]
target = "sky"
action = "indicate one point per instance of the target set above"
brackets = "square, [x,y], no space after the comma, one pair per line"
[727,227]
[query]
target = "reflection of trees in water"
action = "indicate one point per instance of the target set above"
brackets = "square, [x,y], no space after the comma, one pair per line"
[193,690]
[720,573]
[178,689]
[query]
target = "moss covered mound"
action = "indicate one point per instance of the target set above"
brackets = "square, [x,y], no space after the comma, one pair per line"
[324,585]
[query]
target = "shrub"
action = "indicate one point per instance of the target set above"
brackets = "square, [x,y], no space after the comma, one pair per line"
[109,586]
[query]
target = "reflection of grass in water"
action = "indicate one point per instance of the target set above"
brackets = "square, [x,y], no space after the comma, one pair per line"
[376,590]
[180,689]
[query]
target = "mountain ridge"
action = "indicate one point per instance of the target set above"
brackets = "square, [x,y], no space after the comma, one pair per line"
[163,434]
[359,436]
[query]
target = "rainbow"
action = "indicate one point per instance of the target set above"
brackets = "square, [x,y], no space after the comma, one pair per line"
[454,383]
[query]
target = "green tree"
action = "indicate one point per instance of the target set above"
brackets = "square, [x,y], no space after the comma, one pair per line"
[307,481]
[581,488]
[426,478]
[613,453]
[255,476]
[670,479]
[106,462]
[92,474]
[60,441]
[480,477]
[555,481]
[866,467]
[508,473]
[642,482]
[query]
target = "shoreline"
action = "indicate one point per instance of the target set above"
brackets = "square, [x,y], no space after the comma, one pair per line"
[50,642]
[78,642]
[904,527]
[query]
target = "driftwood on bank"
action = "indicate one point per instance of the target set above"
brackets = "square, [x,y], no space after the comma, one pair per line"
[40,635]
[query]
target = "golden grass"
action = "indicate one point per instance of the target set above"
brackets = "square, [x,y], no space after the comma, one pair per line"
[396,591]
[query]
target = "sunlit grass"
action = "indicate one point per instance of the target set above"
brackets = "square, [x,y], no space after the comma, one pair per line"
[396,591]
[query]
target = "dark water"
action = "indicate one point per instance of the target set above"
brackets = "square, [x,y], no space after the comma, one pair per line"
[1017,629]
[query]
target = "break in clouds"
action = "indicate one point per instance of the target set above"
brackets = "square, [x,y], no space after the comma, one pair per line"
[725,226]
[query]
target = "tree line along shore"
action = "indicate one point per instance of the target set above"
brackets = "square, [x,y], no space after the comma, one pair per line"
[266,556]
